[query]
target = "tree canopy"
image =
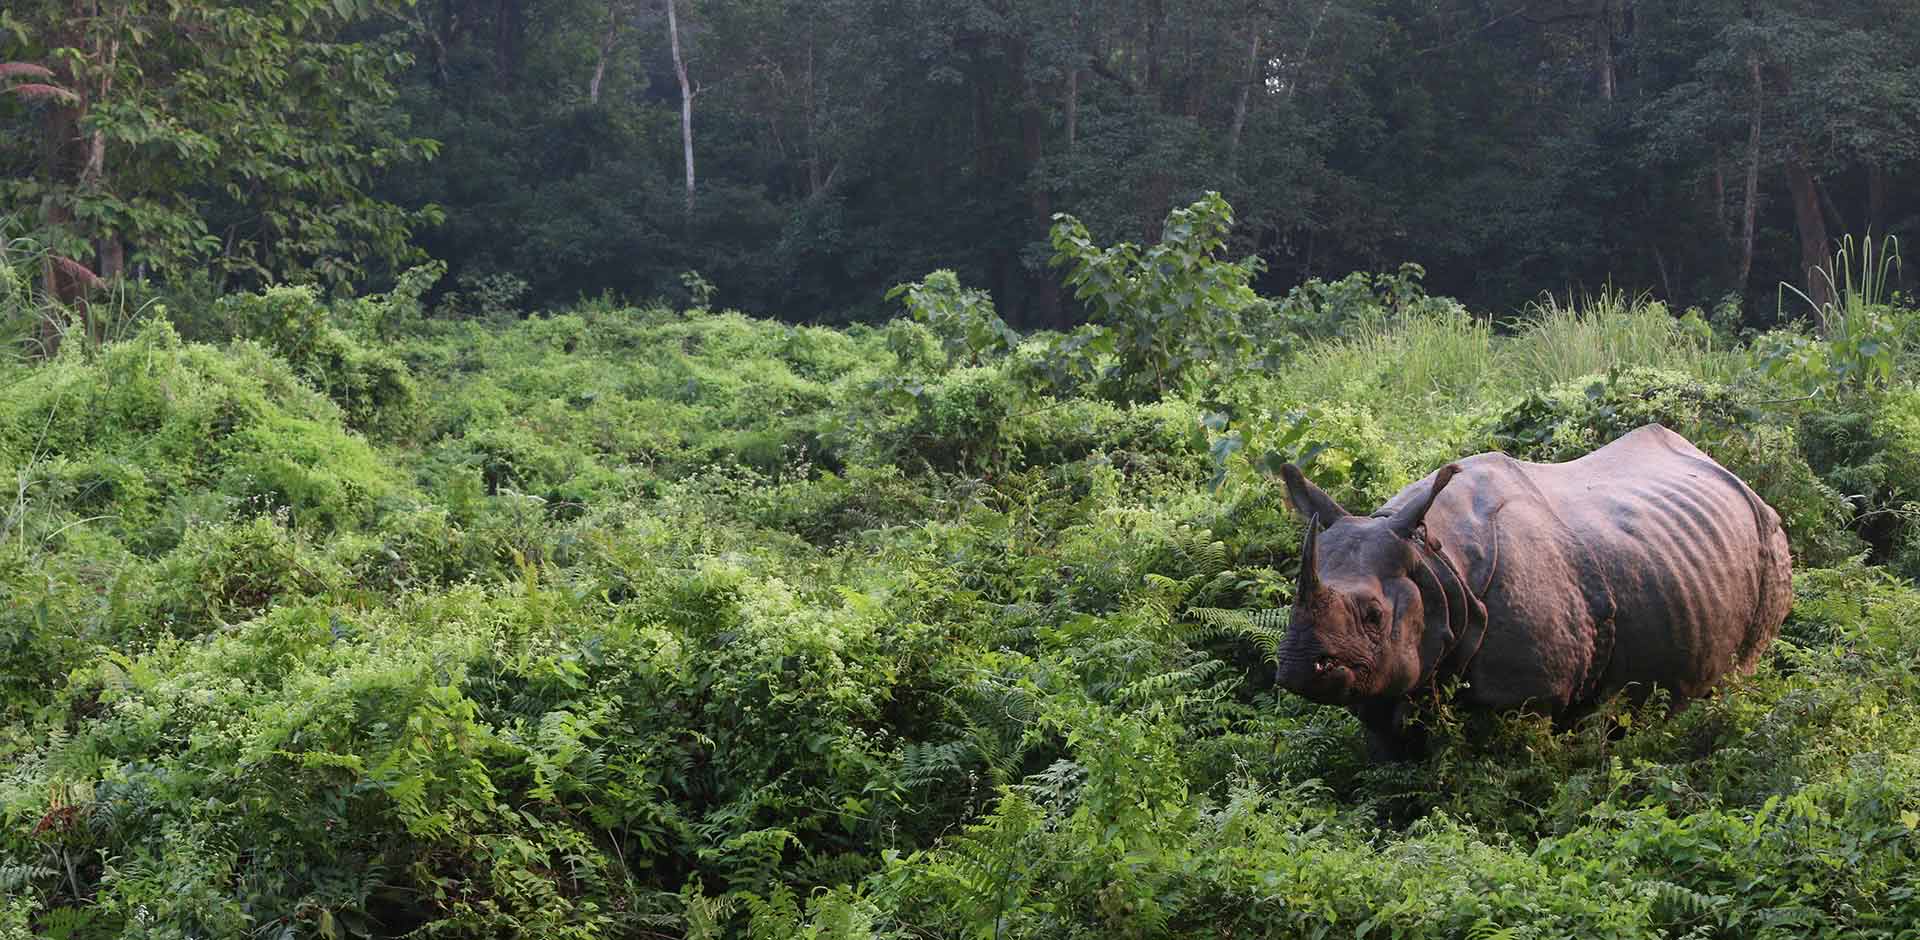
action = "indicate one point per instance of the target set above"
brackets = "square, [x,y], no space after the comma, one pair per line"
[239,137]
[806,156]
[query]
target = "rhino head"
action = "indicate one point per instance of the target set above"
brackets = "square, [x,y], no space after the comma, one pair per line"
[1369,618]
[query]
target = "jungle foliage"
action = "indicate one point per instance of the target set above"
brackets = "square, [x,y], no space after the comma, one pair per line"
[805,155]
[370,617]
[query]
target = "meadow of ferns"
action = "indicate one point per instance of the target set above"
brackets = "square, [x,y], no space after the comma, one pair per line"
[341,618]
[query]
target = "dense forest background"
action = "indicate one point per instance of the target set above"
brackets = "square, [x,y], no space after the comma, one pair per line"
[805,155]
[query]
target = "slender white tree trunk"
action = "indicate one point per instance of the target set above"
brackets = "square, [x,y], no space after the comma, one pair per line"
[1603,49]
[686,97]
[606,50]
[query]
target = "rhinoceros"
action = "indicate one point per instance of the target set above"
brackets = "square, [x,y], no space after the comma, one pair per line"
[1554,587]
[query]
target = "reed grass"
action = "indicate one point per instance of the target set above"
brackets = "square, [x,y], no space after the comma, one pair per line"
[1559,341]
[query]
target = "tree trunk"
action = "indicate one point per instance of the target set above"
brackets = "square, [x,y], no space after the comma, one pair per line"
[1720,201]
[1876,199]
[1073,107]
[606,51]
[1752,210]
[1002,266]
[506,42]
[1156,191]
[1073,78]
[436,34]
[112,255]
[1156,38]
[1808,220]
[1835,221]
[1603,49]
[1240,105]
[1812,226]
[65,155]
[983,144]
[686,98]
[817,177]
[1156,198]
[1306,49]
[1046,306]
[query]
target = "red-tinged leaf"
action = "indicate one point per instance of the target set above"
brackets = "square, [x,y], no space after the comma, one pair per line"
[76,270]
[17,69]
[40,90]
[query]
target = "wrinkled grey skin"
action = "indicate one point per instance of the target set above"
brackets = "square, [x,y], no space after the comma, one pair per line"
[1550,586]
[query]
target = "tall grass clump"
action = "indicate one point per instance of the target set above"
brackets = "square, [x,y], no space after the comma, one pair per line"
[21,305]
[1867,338]
[1410,368]
[1853,292]
[1441,353]
[1561,341]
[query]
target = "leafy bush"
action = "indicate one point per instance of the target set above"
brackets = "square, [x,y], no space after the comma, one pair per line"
[373,388]
[1360,302]
[1169,309]
[970,332]
[138,438]
[1869,450]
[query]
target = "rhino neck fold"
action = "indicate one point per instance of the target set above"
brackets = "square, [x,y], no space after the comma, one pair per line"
[1466,614]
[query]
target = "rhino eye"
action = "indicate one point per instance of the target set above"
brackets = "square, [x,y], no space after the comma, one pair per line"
[1371,616]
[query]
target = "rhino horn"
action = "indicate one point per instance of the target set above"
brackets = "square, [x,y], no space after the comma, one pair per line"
[1309,568]
[1410,516]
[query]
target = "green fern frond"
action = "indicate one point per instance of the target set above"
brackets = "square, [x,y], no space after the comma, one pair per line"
[1209,558]
[1267,627]
[1484,929]
[923,764]
[16,878]
[1675,903]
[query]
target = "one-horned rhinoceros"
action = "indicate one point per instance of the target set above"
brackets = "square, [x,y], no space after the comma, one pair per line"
[1552,586]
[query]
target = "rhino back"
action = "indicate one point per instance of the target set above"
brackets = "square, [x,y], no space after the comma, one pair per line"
[1696,563]
[1641,563]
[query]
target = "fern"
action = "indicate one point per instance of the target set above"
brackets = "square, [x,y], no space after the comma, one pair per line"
[1486,929]
[1266,628]
[67,923]
[986,870]
[925,764]
[1678,904]
[706,917]
[18,877]
[1056,788]
[1206,556]
[1161,685]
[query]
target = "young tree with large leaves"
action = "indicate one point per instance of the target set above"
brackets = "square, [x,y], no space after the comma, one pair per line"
[239,138]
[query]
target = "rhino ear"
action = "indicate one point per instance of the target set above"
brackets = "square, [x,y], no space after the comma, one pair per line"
[1307,499]
[1409,517]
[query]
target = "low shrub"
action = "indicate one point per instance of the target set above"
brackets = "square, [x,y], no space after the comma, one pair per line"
[140,438]
[374,389]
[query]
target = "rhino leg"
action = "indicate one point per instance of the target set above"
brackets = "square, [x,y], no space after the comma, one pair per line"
[1391,737]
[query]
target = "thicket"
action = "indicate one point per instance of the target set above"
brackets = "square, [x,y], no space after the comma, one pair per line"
[335,618]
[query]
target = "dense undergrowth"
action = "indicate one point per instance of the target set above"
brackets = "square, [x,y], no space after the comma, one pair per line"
[335,620]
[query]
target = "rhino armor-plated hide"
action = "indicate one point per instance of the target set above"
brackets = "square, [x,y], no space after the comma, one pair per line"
[1555,586]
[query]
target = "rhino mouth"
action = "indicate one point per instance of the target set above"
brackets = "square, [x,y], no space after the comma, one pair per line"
[1326,678]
